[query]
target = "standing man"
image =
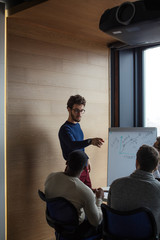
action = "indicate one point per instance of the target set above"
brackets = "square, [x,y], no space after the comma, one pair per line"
[71,136]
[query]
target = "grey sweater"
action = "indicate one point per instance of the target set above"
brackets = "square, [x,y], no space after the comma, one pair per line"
[140,189]
[81,196]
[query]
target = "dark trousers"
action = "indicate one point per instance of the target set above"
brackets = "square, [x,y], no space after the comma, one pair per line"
[88,230]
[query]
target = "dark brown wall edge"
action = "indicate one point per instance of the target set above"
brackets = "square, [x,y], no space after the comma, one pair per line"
[18,6]
[2,123]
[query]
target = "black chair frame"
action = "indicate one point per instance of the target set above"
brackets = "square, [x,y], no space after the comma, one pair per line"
[109,236]
[67,230]
[58,225]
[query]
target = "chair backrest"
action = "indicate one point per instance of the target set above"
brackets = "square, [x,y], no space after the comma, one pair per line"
[131,225]
[61,215]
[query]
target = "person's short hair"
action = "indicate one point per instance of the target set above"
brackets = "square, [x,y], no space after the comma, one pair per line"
[77,160]
[147,157]
[77,99]
[157,144]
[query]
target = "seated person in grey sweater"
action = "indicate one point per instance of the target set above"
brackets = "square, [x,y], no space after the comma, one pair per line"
[68,185]
[140,189]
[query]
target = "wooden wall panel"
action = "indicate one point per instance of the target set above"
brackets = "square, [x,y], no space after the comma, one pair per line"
[48,35]
[44,69]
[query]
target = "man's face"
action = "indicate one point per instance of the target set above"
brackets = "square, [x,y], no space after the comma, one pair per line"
[76,112]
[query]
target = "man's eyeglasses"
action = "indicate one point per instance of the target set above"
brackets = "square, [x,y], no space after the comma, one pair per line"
[76,110]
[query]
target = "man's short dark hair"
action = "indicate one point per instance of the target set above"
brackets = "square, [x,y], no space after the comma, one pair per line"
[77,99]
[147,157]
[77,160]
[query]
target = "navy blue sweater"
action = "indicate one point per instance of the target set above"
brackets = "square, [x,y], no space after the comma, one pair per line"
[71,138]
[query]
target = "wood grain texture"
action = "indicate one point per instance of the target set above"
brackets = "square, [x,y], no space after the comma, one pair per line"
[78,19]
[46,34]
[44,68]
